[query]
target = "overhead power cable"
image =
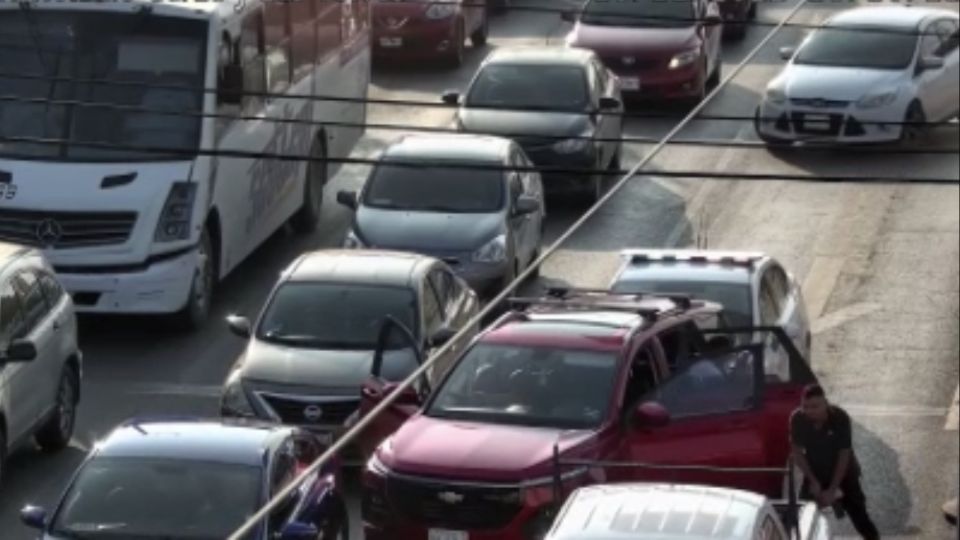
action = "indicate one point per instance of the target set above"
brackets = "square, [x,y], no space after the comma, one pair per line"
[341,443]
[710,143]
[475,166]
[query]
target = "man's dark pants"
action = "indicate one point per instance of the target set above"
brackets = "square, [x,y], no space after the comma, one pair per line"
[854,504]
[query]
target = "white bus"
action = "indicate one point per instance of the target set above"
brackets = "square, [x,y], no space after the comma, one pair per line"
[142,232]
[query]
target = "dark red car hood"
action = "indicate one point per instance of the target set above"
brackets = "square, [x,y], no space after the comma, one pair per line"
[640,42]
[473,451]
[414,9]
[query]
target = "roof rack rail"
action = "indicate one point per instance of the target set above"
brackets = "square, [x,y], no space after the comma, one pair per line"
[733,258]
[599,306]
[683,301]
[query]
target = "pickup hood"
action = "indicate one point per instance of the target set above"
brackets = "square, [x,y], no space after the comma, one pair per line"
[473,451]
[837,83]
[640,42]
[495,122]
[337,370]
[428,231]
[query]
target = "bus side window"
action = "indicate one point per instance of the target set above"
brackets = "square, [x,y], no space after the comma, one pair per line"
[252,60]
[277,39]
[328,28]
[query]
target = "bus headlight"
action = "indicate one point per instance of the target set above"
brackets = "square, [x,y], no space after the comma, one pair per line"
[177,213]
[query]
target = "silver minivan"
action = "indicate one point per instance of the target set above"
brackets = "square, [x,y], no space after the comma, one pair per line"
[41,365]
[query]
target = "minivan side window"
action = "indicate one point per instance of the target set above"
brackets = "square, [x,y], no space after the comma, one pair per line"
[11,318]
[51,288]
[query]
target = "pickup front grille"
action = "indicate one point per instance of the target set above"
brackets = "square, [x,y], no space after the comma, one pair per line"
[64,230]
[306,411]
[434,503]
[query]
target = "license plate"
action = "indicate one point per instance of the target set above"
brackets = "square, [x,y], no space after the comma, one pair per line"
[442,534]
[391,42]
[630,83]
[816,122]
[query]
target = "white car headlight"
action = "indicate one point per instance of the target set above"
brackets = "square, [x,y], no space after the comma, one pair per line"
[441,11]
[352,241]
[572,146]
[684,59]
[879,99]
[775,95]
[493,251]
[177,213]
[234,400]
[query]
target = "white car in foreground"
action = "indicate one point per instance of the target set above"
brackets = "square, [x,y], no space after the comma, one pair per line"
[862,74]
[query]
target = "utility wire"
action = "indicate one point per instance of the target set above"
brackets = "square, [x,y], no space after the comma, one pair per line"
[475,166]
[710,143]
[257,518]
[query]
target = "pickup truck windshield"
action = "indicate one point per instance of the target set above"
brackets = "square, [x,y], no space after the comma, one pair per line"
[532,386]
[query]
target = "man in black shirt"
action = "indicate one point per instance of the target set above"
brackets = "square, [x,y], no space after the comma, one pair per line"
[822,440]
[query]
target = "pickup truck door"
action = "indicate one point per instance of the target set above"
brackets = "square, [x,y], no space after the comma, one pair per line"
[714,402]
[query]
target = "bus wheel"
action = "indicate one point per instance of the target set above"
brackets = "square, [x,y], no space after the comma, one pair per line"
[308,216]
[197,309]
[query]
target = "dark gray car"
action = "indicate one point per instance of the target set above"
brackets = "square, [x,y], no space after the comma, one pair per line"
[485,222]
[560,104]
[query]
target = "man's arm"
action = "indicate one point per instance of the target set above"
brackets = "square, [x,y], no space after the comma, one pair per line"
[844,457]
[840,469]
[800,456]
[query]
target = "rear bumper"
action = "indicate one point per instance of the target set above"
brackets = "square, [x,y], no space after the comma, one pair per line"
[669,84]
[426,39]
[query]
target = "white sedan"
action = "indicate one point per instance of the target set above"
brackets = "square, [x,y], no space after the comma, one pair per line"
[863,73]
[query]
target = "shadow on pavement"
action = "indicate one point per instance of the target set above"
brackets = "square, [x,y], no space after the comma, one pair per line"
[885,486]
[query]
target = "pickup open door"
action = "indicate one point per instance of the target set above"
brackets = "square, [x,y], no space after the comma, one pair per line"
[396,356]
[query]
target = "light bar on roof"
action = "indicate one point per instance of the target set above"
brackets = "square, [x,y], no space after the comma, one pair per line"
[733,258]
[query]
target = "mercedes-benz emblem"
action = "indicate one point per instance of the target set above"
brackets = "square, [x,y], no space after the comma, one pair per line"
[450,497]
[313,413]
[49,232]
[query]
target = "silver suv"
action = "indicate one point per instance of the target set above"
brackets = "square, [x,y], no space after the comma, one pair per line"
[40,363]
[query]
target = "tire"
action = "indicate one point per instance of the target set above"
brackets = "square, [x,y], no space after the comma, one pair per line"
[55,434]
[197,309]
[910,135]
[307,218]
[479,36]
[714,80]
[456,56]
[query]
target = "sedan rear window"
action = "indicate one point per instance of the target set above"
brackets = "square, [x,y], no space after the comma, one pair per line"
[639,13]
[430,188]
[333,315]
[857,47]
[530,86]
[735,298]
[530,386]
[158,498]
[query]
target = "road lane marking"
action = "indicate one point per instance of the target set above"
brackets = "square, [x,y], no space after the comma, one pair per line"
[953,416]
[820,282]
[843,316]
[902,411]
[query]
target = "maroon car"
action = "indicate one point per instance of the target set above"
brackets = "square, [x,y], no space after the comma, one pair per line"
[424,29]
[590,376]
[659,49]
[737,15]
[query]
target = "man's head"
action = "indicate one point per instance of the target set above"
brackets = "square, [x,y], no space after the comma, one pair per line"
[815,404]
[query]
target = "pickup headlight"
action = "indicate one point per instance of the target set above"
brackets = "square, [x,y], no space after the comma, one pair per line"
[234,401]
[684,59]
[493,251]
[775,95]
[572,146]
[177,213]
[352,241]
[441,11]
[879,99]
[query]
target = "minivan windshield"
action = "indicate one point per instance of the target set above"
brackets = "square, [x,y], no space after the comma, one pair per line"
[72,57]
[857,48]
[435,187]
[530,86]
[133,497]
[639,13]
[529,386]
[334,315]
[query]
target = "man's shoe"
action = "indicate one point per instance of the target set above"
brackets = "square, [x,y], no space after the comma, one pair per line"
[950,511]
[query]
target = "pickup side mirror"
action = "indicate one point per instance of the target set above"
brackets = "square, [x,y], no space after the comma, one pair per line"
[230,89]
[568,15]
[609,103]
[441,336]
[239,326]
[33,517]
[347,198]
[526,205]
[786,53]
[299,531]
[451,97]
[650,415]
[931,63]
[20,350]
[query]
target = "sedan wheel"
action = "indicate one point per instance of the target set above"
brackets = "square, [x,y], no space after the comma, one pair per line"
[197,310]
[58,430]
[914,129]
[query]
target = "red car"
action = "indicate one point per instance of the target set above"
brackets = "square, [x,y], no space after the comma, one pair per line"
[418,29]
[660,50]
[593,375]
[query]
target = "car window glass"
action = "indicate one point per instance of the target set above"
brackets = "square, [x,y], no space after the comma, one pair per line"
[51,288]
[411,184]
[11,319]
[33,301]
[601,74]
[524,86]
[949,37]
[769,530]
[283,472]
[769,304]
[643,378]
[714,383]
[930,43]
[443,285]
[516,187]
[779,284]
[432,310]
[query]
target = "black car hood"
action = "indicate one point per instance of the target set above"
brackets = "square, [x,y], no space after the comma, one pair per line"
[521,123]
[425,231]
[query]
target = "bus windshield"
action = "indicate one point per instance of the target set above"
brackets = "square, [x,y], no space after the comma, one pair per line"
[71,58]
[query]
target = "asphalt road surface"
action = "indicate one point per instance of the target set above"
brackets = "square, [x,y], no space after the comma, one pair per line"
[879,265]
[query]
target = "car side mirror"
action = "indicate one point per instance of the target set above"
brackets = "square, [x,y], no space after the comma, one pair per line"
[451,97]
[348,199]
[239,325]
[20,350]
[931,63]
[408,396]
[33,517]
[650,415]
[786,53]
[442,336]
[230,90]
[298,530]
[609,104]
[526,205]
[568,15]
